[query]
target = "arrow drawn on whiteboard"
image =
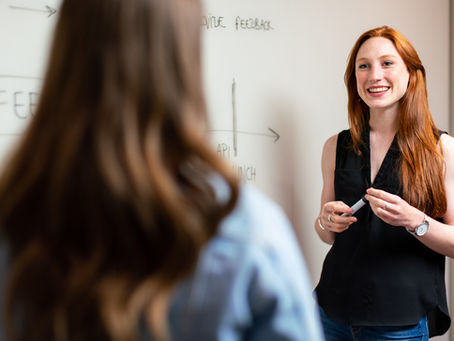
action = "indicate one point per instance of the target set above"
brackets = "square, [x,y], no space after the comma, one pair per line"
[10,134]
[235,132]
[18,76]
[273,134]
[49,10]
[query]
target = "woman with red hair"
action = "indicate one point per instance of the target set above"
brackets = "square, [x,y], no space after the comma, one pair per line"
[383,277]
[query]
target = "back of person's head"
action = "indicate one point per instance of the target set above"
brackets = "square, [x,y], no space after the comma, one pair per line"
[417,136]
[107,199]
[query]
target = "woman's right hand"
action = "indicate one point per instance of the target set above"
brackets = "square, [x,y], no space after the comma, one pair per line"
[331,217]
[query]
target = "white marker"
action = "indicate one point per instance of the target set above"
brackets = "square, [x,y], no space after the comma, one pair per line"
[360,203]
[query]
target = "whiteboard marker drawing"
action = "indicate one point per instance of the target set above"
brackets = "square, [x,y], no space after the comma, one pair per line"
[235,145]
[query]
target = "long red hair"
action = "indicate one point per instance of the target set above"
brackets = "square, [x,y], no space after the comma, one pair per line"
[422,163]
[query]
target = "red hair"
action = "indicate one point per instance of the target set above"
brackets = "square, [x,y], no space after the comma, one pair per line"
[421,166]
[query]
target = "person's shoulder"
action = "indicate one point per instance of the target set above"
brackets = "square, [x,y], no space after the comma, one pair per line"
[262,227]
[252,238]
[255,216]
[447,141]
[253,198]
[331,146]
[331,142]
[447,147]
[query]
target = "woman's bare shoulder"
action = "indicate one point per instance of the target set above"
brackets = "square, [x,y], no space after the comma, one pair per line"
[447,145]
[330,144]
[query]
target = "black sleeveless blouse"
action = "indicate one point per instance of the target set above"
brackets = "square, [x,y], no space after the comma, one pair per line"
[376,274]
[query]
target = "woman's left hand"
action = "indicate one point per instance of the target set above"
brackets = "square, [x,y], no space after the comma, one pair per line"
[392,209]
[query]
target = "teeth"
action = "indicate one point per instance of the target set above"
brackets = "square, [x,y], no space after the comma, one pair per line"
[384,88]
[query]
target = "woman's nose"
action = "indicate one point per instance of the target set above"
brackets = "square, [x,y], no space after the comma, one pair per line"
[376,73]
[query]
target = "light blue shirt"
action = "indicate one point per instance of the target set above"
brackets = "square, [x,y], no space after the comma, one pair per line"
[251,282]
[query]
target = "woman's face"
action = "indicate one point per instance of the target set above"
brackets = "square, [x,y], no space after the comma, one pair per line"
[381,74]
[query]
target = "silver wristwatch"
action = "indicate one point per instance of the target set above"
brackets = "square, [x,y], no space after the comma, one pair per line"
[422,228]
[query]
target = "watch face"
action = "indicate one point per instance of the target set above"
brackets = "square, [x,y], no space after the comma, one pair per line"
[421,229]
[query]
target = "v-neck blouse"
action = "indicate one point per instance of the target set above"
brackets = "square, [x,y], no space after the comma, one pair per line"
[376,274]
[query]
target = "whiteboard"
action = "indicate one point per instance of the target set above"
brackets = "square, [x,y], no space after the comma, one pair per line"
[277,66]
[273,75]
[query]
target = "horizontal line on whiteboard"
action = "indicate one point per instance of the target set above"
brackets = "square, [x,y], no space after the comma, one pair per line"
[10,134]
[18,76]
[238,131]
[28,8]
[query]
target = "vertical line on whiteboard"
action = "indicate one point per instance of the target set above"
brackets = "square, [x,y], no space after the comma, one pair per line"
[2,92]
[234,123]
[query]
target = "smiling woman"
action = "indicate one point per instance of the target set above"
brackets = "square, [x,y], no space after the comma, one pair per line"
[379,281]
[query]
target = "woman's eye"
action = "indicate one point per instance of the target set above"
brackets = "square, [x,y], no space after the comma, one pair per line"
[388,63]
[362,66]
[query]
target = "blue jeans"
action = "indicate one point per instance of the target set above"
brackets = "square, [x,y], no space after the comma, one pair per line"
[335,331]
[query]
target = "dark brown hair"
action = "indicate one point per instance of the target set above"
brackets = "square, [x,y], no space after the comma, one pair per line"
[107,199]
[422,163]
